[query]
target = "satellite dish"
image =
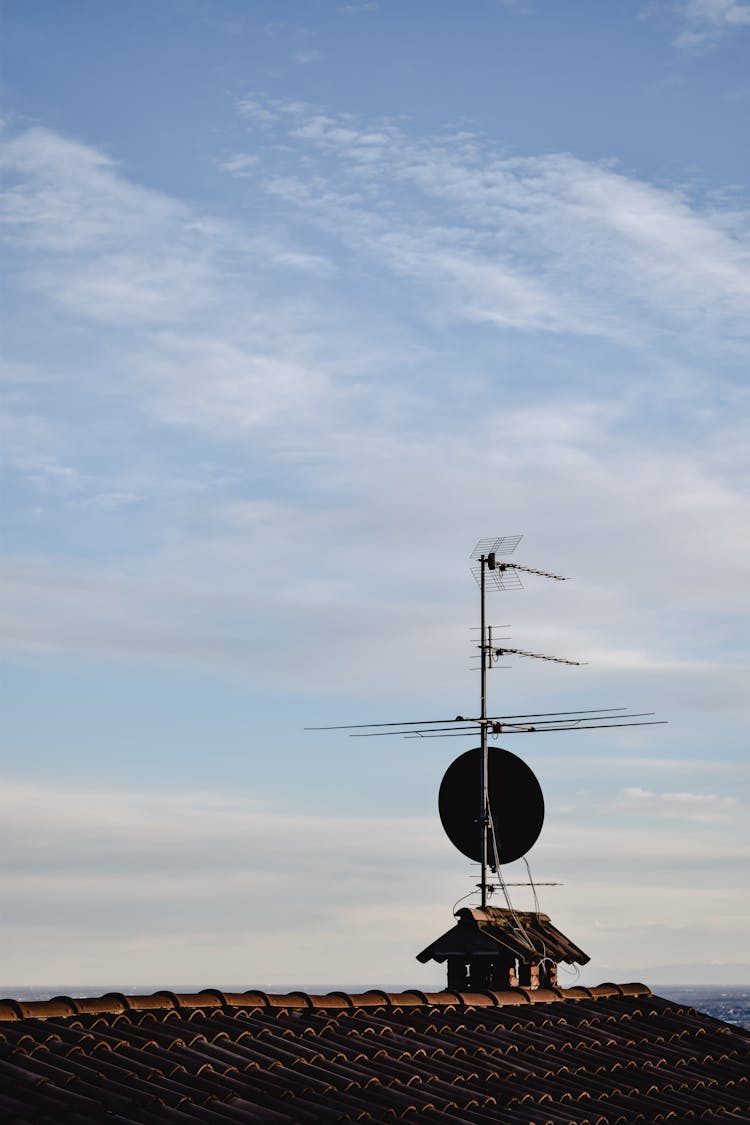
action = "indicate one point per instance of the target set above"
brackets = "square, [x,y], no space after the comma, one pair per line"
[515,798]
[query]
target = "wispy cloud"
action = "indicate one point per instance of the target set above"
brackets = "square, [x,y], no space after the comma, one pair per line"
[137,862]
[202,339]
[304,377]
[705,21]
[199,382]
[702,807]
[545,242]
[308,55]
[98,239]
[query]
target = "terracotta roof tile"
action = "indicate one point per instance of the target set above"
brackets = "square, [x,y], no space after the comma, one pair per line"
[609,1054]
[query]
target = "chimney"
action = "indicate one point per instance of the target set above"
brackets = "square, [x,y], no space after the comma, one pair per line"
[494,949]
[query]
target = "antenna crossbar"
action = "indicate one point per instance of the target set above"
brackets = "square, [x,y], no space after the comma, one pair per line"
[520,729]
[461,719]
[472,726]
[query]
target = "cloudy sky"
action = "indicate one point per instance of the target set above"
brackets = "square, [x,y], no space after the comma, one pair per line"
[303,298]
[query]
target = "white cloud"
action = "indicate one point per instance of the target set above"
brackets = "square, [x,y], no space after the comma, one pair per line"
[239,165]
[548,243]
[218,385]
[544,242]
[386,499]
[253,110]
[31,446]
[104,247]
[65,196]
[129,868]
[159,886]
[189,329]
[308,55]
[701,807]
[676,855]
[706,20]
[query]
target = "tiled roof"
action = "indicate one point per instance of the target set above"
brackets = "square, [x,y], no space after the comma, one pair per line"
[550,1057]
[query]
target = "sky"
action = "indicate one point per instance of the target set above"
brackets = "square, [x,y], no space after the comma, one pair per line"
[301,299]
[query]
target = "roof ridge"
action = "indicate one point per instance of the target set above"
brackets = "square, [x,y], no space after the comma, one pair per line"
[12,1010]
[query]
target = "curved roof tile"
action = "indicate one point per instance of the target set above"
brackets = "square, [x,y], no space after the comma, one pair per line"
[613,1053]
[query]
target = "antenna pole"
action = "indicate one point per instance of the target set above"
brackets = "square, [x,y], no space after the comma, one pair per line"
[484,800]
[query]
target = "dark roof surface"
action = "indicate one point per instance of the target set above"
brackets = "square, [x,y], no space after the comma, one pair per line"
[490,929]
[614,1053]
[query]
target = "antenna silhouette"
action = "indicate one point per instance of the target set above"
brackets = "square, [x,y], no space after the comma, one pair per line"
[505,576]
[523,810]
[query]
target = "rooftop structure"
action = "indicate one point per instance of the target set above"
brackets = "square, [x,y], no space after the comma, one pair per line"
[494,948]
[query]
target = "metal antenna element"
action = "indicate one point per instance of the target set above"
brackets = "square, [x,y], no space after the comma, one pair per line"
[504,575]
[460,719]
[504,545]
[496,653]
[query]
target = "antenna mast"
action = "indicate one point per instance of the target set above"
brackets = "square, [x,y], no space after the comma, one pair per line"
[505,577]
[484,807]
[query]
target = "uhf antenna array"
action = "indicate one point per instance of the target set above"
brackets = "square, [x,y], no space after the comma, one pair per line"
[513,788]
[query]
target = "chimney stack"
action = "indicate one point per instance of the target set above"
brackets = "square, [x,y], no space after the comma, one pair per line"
[494,949]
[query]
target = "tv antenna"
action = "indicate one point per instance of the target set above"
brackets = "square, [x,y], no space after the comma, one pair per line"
[526,790]
[490,798]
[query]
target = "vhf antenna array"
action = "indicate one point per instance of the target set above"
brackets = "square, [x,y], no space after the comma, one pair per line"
[492,572]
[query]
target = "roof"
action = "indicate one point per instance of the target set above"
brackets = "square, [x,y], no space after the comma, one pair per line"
[614,1053]
[487,930]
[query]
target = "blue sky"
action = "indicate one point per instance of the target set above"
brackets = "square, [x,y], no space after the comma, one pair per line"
[301,300]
